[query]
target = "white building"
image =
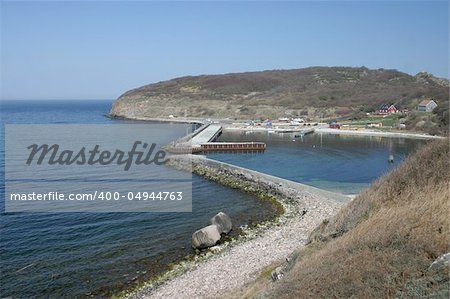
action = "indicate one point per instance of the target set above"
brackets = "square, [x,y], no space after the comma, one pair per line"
[426,106]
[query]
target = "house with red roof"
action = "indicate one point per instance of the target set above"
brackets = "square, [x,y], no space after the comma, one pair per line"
[387,109]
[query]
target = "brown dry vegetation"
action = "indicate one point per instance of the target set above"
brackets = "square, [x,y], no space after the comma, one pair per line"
[382,244]
[320,93]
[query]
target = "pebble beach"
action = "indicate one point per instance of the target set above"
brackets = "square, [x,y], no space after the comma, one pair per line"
[234,266]
[239,265]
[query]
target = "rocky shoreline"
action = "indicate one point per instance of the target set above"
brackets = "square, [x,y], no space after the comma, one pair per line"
[230,266]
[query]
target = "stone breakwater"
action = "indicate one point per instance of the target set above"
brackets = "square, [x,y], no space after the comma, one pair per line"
[238,263]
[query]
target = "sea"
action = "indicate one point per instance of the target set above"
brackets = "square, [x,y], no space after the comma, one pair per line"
[85,254]
[100,254]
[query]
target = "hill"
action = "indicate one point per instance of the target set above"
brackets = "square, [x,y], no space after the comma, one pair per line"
[317,92]
[384,243]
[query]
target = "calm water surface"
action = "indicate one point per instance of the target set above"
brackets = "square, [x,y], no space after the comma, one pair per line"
[340,163]
[78,254]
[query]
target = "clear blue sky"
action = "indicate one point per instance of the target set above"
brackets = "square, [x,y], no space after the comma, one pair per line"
[94,50]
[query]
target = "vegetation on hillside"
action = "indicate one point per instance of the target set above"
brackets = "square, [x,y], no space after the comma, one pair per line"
[317,92]
[434,123]
[382,244]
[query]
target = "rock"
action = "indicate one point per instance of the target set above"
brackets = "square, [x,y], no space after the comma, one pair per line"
[205,237]
[223,222]
[215,249]
[441,262]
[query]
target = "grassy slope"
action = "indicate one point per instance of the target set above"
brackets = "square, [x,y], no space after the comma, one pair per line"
[316,92]
[382,244]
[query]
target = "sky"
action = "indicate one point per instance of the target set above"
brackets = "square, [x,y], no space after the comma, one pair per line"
[99,50]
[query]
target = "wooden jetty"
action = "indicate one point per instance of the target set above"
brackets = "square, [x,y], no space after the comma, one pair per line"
[233,147]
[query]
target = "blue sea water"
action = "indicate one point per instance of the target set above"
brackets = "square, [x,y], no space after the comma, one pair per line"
[83,254]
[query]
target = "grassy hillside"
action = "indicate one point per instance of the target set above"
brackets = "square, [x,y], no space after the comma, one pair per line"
[316,92]
[383,243]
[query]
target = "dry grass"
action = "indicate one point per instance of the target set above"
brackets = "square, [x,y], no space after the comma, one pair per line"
[314,92]
[382,244]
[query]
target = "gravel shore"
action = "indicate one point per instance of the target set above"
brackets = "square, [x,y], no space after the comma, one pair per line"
[377,133]
[243,261]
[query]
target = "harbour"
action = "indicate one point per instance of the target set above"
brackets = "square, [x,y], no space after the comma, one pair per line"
[203,140]
[141,250]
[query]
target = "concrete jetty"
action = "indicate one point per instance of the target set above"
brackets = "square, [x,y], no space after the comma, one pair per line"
[286,188]
[208,134]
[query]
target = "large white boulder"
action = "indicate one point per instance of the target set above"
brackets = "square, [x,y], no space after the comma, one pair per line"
[206,237]
[223,222]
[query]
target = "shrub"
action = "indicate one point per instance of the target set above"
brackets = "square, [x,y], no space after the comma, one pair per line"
[383,242]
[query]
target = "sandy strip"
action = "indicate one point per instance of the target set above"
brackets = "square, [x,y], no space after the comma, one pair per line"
[242,262]
[326,130]
[321,128]
[163,119]
[377,133]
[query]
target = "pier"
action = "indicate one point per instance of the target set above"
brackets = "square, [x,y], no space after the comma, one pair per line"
[202,140]
[304,132]
[233,146]
[207,134]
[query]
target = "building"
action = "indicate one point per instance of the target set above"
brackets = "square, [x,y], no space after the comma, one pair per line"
[334,125]
[284,119]
[387,109]
[374,125]
[298,119]
[426,106]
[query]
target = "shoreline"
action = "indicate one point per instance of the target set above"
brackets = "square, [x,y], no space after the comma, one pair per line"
[162,119]
[325,130]
[304,207]
[241,126]
[378,133]
[269,243]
